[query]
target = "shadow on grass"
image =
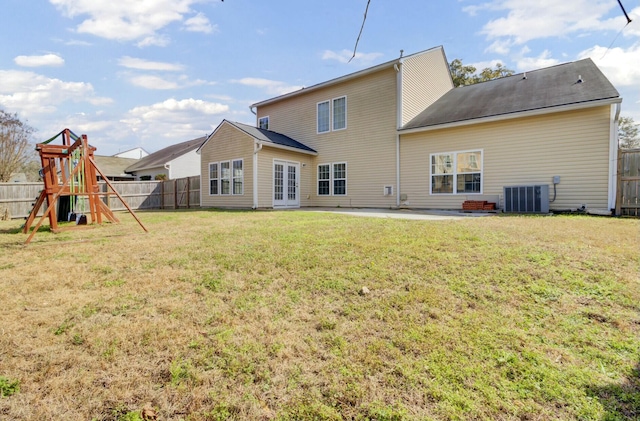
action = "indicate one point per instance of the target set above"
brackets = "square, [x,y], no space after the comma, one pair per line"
[620,401]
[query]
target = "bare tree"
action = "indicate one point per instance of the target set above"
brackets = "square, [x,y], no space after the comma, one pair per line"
[14,144]
[628,133]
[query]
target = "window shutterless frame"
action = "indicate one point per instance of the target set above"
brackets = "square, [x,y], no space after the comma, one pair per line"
[459,172]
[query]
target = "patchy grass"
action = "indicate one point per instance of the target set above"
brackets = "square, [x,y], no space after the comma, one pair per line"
[257,315]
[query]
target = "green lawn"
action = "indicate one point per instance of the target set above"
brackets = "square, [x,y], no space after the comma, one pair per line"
[259,315]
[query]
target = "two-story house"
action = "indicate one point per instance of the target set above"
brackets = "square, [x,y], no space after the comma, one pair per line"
[399,134]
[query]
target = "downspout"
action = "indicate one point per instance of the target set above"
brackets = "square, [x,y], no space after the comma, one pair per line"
[398,69]
[257,147]
[397,170]
[613,156]
[167,167]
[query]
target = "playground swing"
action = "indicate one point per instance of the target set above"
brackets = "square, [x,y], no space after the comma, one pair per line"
[69,172]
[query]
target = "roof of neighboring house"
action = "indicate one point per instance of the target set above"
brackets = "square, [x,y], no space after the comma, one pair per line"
[577,82]
[345,78]
[114,166]
[161,157]
[267,137]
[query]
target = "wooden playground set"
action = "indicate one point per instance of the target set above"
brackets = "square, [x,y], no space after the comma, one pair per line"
[71,190]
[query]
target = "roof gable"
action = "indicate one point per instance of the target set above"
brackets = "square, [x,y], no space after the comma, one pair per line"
[161,157]
[565,84]
[263,136]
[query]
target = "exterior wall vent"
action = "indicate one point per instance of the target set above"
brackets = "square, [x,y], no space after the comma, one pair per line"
[388,190]
[526,199]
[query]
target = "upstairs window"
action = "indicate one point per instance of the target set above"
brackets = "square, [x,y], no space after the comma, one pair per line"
[263,123]
[323,117]
[332,115]
[340,113]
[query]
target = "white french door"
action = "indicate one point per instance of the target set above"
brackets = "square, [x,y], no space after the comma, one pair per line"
[286,184]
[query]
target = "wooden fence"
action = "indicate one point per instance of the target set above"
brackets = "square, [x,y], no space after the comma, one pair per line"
[181,193]
[628,198]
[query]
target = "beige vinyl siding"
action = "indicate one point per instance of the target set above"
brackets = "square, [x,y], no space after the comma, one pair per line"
[425,78]
[265,168]
[228,144]
[368,144]
[525,151]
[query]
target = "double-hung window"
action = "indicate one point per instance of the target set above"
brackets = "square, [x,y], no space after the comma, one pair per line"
[340,113]
[332,179]
[323,117]
[238,177]
[263,123]
[214,178]
[332,115]
[226,177]
[456,172]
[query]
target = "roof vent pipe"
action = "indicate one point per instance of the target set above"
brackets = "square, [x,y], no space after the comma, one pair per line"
[580,79]
[524,76]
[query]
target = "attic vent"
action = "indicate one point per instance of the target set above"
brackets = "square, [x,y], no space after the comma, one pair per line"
[388,190]
[526,199]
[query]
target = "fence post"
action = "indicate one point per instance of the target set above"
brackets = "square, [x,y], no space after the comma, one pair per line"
[618,210]
[175,194]
[188,191]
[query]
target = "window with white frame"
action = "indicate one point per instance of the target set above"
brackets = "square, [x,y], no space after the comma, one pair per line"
[332,115]
[323,117]
[238,177]
[340,113]
[214,179]
[456,172]
[263,123]
[226,177]
[332,179]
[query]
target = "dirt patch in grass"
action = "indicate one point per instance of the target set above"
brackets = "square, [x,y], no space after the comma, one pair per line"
[258,315]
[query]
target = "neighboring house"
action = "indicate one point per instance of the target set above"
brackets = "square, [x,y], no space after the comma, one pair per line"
[135,153]
[114,167]
[175,161]
[399,135]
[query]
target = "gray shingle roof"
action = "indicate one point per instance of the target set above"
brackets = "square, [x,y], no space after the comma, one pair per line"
[268,136]
[161,157]
[114,166]
[545,88]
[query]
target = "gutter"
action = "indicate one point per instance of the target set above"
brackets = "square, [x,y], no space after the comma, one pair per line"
[613,156]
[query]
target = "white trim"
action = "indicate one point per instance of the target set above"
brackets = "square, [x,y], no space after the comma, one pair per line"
[286,148]
[521,114]
[613,155]
[455,173]
[398,170]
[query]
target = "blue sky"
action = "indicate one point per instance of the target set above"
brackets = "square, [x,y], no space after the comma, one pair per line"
[152,73]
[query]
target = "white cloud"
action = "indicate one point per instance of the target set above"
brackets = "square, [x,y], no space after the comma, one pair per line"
[153,82]
[344,56]
[141,64]
[619,65]
[528,20]
[31,93]
[174,119]
[272,87]
[200,23]
[533,63]
[128,20]
[38,61]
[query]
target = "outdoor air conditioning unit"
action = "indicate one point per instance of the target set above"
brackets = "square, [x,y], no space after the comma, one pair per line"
[526,199]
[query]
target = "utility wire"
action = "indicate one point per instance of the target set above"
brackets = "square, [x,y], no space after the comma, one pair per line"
[361,28]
